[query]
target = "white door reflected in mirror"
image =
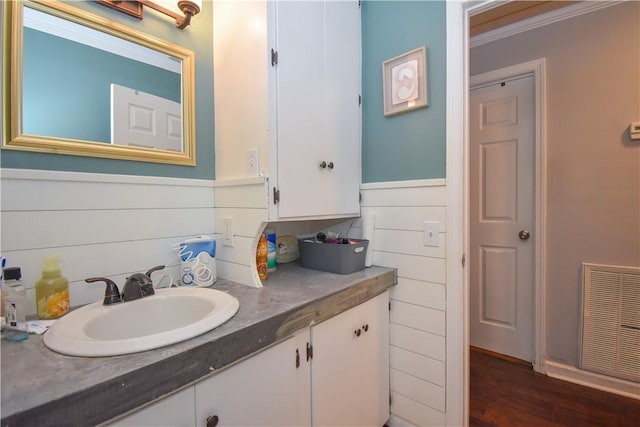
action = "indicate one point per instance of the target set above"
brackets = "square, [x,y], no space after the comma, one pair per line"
[145,120]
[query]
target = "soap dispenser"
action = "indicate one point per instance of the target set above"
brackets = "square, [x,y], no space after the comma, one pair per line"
[52,291]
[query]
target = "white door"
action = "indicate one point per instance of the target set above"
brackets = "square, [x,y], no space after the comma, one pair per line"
[502,217]
[144,120]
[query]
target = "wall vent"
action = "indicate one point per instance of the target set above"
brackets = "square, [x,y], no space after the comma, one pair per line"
[611,321]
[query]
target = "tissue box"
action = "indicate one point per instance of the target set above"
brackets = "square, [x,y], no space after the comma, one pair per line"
[334,258]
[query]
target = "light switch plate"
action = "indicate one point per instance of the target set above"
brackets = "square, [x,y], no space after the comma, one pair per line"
[430,234]
[227,231]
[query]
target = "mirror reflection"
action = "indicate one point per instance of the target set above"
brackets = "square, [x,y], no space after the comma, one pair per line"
[93,88]
[80,99]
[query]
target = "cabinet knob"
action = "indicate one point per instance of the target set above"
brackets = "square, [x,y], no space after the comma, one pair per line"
[212,421]
[366,327]
[330,165]
[323,165]
[357,332]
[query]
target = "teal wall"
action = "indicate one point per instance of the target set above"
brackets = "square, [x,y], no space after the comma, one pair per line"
[198,37]
[410,145]
[67,98]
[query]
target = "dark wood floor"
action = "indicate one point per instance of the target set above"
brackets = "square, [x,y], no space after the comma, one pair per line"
[505,393]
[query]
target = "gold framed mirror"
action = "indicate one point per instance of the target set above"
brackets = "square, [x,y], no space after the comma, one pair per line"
[76,83]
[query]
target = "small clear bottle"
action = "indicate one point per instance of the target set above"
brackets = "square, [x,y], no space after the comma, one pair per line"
[14,300]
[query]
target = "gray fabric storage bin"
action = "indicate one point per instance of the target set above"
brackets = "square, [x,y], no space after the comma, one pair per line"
[333,258]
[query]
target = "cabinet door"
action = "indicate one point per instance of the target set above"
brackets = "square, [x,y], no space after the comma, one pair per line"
[318,87]
[374,362]
[343,71]
[177,410]
[264,390]
[350,367]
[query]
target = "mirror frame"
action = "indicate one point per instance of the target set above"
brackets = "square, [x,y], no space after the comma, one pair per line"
[15,139]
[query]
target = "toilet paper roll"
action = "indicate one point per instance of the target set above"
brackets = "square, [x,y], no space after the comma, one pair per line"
[368,226]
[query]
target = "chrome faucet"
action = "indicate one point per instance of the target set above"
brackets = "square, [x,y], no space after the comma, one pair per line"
[136,286]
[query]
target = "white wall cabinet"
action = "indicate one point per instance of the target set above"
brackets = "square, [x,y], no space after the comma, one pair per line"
[318,89]
[301,111]
[344,381]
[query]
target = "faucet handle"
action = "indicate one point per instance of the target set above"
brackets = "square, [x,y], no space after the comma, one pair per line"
[157,268]
[111,294]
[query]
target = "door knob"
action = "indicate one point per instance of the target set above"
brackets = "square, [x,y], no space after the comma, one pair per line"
[523,234]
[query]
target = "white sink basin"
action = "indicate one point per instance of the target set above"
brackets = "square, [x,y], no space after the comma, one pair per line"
[170,316]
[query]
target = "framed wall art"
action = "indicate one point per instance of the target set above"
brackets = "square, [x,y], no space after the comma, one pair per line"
[404,82]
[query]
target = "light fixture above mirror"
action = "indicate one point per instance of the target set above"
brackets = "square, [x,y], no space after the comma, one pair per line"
[134,8]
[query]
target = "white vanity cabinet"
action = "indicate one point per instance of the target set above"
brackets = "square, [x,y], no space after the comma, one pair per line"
[268,389]
[287,85]
[350,367]
[333,373]
[176,410]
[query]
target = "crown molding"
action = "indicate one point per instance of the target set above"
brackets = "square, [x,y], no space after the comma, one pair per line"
[541,20]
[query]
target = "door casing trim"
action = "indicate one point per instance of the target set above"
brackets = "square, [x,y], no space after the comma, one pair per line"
[457,129]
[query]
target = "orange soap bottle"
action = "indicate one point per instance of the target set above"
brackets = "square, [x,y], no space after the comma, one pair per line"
[261,257]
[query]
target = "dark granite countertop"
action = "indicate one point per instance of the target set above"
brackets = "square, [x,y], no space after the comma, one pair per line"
[41,387]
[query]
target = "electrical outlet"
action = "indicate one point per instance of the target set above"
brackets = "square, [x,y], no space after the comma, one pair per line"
[253,162]
[227,231]
[430,235]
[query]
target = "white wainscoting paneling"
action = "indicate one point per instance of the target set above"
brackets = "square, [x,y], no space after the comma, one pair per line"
[245,201]
[414,412]
[417,341]
[418,328]
[99,225]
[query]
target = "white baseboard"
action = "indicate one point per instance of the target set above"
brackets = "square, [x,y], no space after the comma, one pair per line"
[575,375]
